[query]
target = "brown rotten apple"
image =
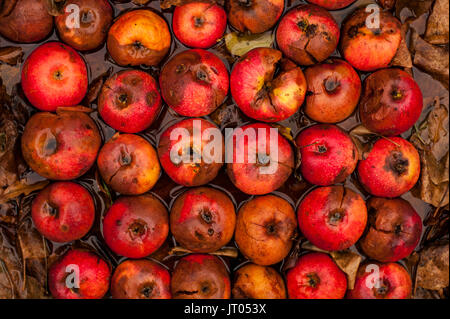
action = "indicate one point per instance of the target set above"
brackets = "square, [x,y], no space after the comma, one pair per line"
[139,37]
[308,34]
[367,47]
[262,95]
[265,229]
[255,16]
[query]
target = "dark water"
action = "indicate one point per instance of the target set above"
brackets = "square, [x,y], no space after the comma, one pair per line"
[99,62]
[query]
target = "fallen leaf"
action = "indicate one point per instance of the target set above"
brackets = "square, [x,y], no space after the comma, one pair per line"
[363,139]
[78,108]
[403,57]
[433,268]
[11,55]
[96,86]
[55,7]
[226,252]
[438,23]
[166,4]
[19,188]
[241,44]
[407,9]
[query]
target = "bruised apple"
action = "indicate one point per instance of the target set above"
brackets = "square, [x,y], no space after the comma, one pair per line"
[203,219]
[200,276]
[261,94]
[60,146]
[139,37]
[265,229]
[194,82]
[184,168]
[254,16]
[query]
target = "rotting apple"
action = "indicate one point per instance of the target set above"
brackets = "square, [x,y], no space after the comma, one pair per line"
[394,229]
[200,276]
[139,37]
[254,16]
[194,82]
[90,30]
[136,226]
[259,93]
[199,24]
[130,101]
[192,172]
[54,75]
[60,146]
[140,279]
[328,154]
[333,93]
[391,168]
[89,270]
[261,159]
[63,212]
[366,47]
[391,102]
[129,164]
[307,34]
[332,218]
[265,229]
[316,276]
[203,219]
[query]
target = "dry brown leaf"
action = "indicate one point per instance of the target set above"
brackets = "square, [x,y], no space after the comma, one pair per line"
[96,86]
[11,55]
[19,188]
[438,23]
[403,57]
[433,268]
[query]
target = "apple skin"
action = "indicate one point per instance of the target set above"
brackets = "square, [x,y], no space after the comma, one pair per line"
[136,226]
[28,22]
[95,19]
[332,4]
[60,146]
[254,16]
[199,24]
[370,49]
[391,102]
[265,228]
[189,174]
[316,276]
[391,168]
[94,276]
[203,219]
[328,154]
[140,279]
[194,83]
[259,93]
[334,89]
[332,218]
[63,212]
[395,283]
[54,75]
[139,37]
[247,176]
[200,276]
[130,101]
[394,230]
[129,164]
[258,282]
[307,34]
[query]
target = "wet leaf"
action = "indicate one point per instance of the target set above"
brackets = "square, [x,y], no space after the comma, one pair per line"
[20,188]
[96,86]
[11,55]
[433,268]
[241,44]
[438,23]
[363,139]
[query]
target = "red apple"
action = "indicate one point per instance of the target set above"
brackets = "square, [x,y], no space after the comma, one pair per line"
[394,230]
[334,89]
[316,276]
[388,281]
[60,146]
[366,47]
[254,16]
[129,101]
[54,75]
[136,226]
[307,34]
[328,154]
[332,4]
[391,102]
[63,212]
[256,166]
[79,274]
[261,94]
[192,173]
[140,279]
[199,24]
[194,83]
[332,218]
[391,168]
